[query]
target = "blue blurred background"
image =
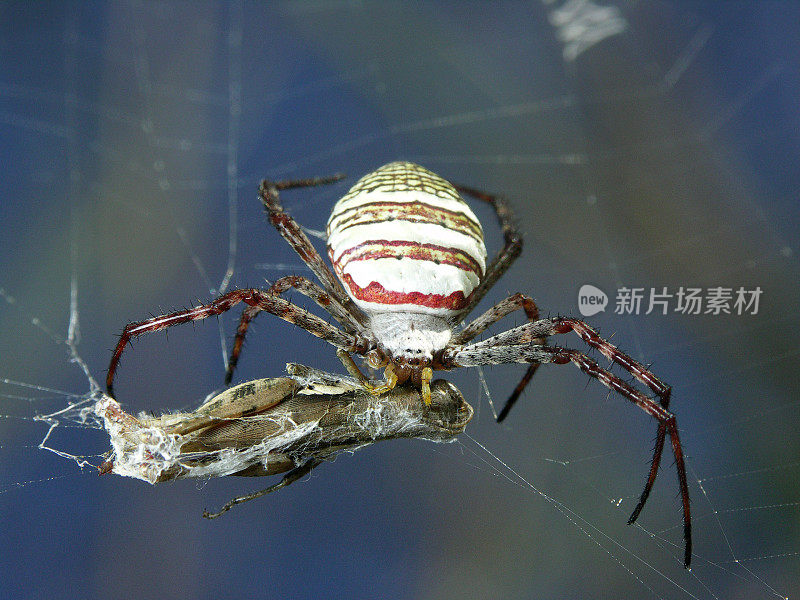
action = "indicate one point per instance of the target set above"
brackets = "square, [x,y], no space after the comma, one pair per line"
[641,144]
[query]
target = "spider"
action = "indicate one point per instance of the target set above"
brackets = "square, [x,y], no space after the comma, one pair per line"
[409,264]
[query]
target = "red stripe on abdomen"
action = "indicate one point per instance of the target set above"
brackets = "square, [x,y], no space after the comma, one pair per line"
[376,293]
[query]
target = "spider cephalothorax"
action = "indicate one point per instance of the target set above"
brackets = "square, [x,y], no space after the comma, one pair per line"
[409,264]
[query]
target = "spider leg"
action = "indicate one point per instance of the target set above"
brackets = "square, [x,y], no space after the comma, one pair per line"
[305,287]
[499,353]
[332,298]
[532,332]
[288,479]
[493,315]
[528,333]
[511,248]
[264,300]
[512,399]
[268,193]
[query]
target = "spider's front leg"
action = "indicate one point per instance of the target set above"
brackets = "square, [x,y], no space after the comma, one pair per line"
[521,345]
[532,333]
[493,315]
[253,297]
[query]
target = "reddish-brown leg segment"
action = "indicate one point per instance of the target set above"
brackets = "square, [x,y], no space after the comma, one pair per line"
[292,233]
[332,298]
[512,245]
[666,423]
[264,300]
[531,333]
[481,354]
[282,285]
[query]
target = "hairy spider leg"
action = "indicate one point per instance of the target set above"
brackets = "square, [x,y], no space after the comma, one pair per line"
[265,301]
[292,233]
[533,332]
[307,288]
[512,244]
[352,319]
[512,248]
[666,421]
[521,345]
[644,375]
[493,315]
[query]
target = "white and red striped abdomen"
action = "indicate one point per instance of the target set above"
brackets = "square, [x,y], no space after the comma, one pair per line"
[403,240]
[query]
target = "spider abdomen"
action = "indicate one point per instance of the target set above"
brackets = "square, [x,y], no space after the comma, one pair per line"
[403,240]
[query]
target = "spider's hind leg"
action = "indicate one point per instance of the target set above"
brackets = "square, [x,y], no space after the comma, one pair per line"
[512,243]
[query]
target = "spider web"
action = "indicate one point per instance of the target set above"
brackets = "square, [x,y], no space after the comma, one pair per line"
[641,146]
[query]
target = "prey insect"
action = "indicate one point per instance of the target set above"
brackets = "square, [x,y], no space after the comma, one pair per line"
[271,426]
[409,265]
